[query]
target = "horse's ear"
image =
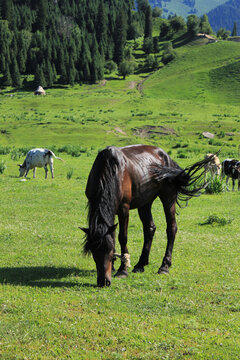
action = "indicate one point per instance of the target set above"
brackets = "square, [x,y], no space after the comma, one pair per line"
[85,230]
[111,229]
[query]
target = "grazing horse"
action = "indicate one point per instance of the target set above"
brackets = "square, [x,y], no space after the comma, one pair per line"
[127,178]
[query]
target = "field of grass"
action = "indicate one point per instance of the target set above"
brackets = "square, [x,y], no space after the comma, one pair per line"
[50,306]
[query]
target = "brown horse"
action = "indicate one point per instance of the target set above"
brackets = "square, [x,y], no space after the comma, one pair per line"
[127,178]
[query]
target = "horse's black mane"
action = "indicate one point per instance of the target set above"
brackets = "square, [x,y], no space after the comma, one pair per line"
[102,197]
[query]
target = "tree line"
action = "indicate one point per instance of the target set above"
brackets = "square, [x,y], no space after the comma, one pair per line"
[72,41]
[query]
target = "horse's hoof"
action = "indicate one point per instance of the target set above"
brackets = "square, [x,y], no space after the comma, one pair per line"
[121,274]
[138,270]
[163,271]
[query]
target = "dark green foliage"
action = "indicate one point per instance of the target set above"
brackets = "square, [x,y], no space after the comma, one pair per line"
[16,79]
[120,37]
[204,25]
[110,67]
[39,78]
[193,24]
[215,219]
[151,62]
[223,34]
[7,79]
[168,54]
[157,12]
[126,68]
[234,31]
[148,45]
[76,36]
[164,28]
[3,166]
[215,185]
[156,44]
[148,23]
[142,5]
[177,23]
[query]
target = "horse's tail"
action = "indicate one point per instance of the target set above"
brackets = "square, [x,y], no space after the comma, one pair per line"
[188,182]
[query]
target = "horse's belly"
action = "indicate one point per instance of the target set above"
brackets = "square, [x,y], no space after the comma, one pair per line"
[142,197]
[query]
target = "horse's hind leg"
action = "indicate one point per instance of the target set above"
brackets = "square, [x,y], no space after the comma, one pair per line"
[170,212]
[148,230]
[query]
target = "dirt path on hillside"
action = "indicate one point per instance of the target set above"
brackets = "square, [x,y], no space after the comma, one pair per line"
[141,84]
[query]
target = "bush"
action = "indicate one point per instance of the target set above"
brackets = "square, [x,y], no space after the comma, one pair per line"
[126,68]
[215,185]
[72,150]
[69,174]
[3,166]
[214,219]
[110,67]
[151,62]
[148,45]
[4,150]
[168,54]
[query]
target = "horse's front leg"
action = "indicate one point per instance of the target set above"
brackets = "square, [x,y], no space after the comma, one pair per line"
[170,214]
[149,229]
[123,216]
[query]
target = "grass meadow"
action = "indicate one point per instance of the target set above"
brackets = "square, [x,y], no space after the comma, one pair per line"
[50,306]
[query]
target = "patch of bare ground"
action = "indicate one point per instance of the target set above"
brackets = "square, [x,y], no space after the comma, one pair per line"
[148,130]
[103,82]
[132,84]
[117,130]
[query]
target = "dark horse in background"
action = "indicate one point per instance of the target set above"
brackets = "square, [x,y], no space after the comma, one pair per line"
[127,178]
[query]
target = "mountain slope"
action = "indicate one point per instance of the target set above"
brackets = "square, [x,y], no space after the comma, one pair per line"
[186,7]
[225,15]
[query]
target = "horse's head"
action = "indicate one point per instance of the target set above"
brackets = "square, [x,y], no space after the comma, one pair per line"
[102,246]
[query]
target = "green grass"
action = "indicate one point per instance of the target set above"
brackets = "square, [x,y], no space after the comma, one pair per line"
[50,307]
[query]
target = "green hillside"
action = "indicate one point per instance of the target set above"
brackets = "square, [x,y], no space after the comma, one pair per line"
[208,74]
[197,92]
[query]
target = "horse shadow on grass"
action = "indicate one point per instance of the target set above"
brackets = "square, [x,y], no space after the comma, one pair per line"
[44,276]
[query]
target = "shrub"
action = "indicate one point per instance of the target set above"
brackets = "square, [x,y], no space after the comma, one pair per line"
[168,54]
[72,150]
[3,166]
[214,219]
[69,174]
[4,150]
[126,68]
[215,185]
[110,67]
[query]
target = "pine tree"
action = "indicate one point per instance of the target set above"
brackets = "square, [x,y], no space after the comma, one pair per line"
[192,25]
[120,37]
[156,44]
[101,28]
[42,15]
[148,23]
[39,78]
[7,79]
[234,30]
[15,74]
[48,73]
[5,41]
[205,26]
[7,10]
[71,72]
